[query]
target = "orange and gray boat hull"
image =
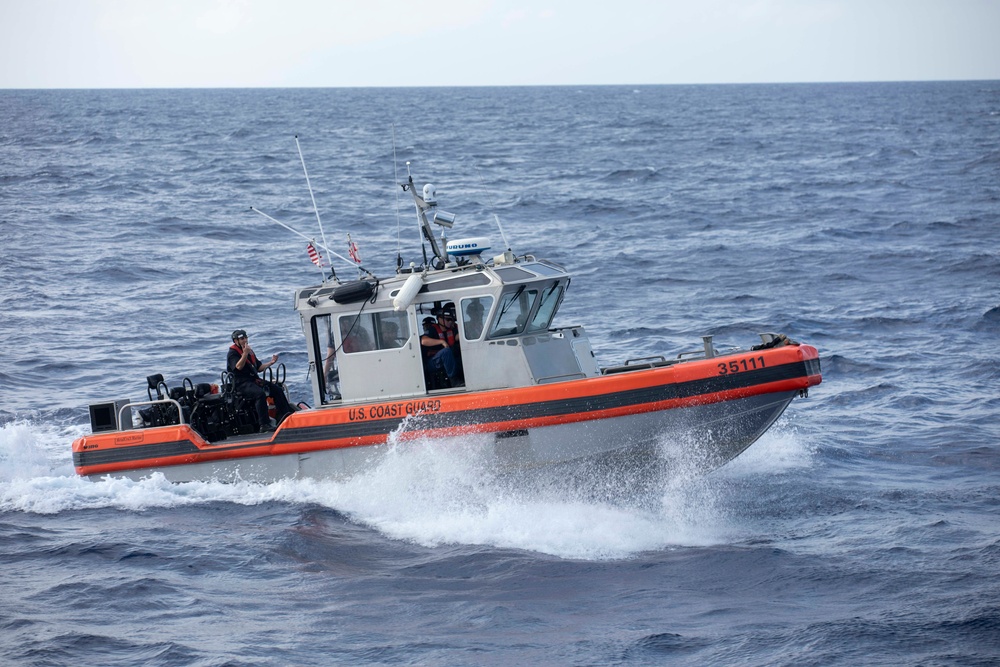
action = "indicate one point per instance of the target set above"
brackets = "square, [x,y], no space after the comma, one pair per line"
[706,410]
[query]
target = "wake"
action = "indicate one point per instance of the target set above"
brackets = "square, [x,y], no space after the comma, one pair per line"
[435,493]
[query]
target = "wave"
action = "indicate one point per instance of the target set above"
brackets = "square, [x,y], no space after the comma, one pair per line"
[841,276]
[643,175]
[838,364]
[990,160]
[981,264]
[990,319]
[432,493]
[864,396]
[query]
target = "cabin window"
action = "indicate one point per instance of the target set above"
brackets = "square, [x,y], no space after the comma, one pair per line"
[513,312]
[551,296]
[326,347]
[356,333]
[392,329]
[510,274]
[546,269]
[474,312]
[468,280]
[385,330]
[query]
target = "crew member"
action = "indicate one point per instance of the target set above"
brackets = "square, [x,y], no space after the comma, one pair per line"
[440,344]
[474,320]
[244,365]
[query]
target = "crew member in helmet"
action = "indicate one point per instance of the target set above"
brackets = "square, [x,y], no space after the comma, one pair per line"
[441,346]
[244,365]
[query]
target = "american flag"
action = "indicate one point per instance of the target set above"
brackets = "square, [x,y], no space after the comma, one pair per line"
[352,249]
[314,255]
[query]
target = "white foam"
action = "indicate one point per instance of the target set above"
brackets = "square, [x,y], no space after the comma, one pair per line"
[29,449]
[443,492]
[781,449]
[429,492]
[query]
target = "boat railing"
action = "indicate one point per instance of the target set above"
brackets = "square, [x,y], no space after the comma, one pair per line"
[642,363]
[646,360]
[139,404]
[548,379]
[708,349]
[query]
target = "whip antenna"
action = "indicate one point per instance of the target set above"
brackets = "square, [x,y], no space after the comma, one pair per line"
[309,185]
[324,246]
[395,176]
[420,235]
[495,216]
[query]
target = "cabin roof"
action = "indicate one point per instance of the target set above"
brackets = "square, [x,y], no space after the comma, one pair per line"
[450,278]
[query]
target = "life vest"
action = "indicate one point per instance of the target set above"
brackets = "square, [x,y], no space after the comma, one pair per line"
[252,363]
[443,333]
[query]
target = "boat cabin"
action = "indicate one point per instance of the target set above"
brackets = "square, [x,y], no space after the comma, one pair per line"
[364,337]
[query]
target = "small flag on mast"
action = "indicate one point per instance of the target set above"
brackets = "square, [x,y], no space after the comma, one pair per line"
[314,255]
[352,249]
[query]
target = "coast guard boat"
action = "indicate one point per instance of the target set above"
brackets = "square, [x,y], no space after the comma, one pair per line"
[529,392]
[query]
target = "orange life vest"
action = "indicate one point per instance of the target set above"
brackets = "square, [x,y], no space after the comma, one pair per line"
[443,333]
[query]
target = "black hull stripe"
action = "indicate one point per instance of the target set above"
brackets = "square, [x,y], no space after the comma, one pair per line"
[554,408]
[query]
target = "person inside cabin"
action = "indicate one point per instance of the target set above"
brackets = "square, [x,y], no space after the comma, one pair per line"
[440,344]
[355,336]
[389,336]
[473,322]
[245,366]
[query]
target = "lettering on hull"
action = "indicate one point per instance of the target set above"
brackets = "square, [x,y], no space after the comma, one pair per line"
[391,410]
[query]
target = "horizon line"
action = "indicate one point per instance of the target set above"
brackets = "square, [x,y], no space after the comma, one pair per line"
[517,85]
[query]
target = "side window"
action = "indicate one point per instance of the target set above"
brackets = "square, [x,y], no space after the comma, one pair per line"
[326,348]
[356,333]
[513,314]
[392,329]
[324,335]
[473,313]
[551,296]
[385,330]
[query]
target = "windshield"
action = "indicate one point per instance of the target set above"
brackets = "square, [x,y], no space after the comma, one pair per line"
[513,312]
[551,296]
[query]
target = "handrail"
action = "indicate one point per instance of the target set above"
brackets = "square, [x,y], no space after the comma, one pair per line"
[551,378]
[129,406]
[655,357]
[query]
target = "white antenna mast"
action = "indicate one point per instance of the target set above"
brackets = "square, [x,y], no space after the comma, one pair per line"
[395,176]
[324,247]
[309,185]
[420,233]
[492,209]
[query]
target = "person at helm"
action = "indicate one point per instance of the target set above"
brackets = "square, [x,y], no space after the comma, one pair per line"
[441,346]
[245,366]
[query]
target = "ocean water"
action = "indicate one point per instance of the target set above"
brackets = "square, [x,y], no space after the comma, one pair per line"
[864,528]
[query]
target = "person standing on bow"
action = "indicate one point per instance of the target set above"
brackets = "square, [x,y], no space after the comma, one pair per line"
[244,365]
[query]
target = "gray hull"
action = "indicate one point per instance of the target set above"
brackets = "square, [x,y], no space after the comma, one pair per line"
[702,437]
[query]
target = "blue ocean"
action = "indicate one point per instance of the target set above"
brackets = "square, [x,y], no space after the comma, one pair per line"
[863,528]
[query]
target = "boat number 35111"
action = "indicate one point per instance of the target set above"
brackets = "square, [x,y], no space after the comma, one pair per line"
[740,365]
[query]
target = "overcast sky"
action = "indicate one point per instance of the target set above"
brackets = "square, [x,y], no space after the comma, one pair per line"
[249,43]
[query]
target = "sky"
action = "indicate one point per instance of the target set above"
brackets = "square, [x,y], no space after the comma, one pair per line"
[336,43]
